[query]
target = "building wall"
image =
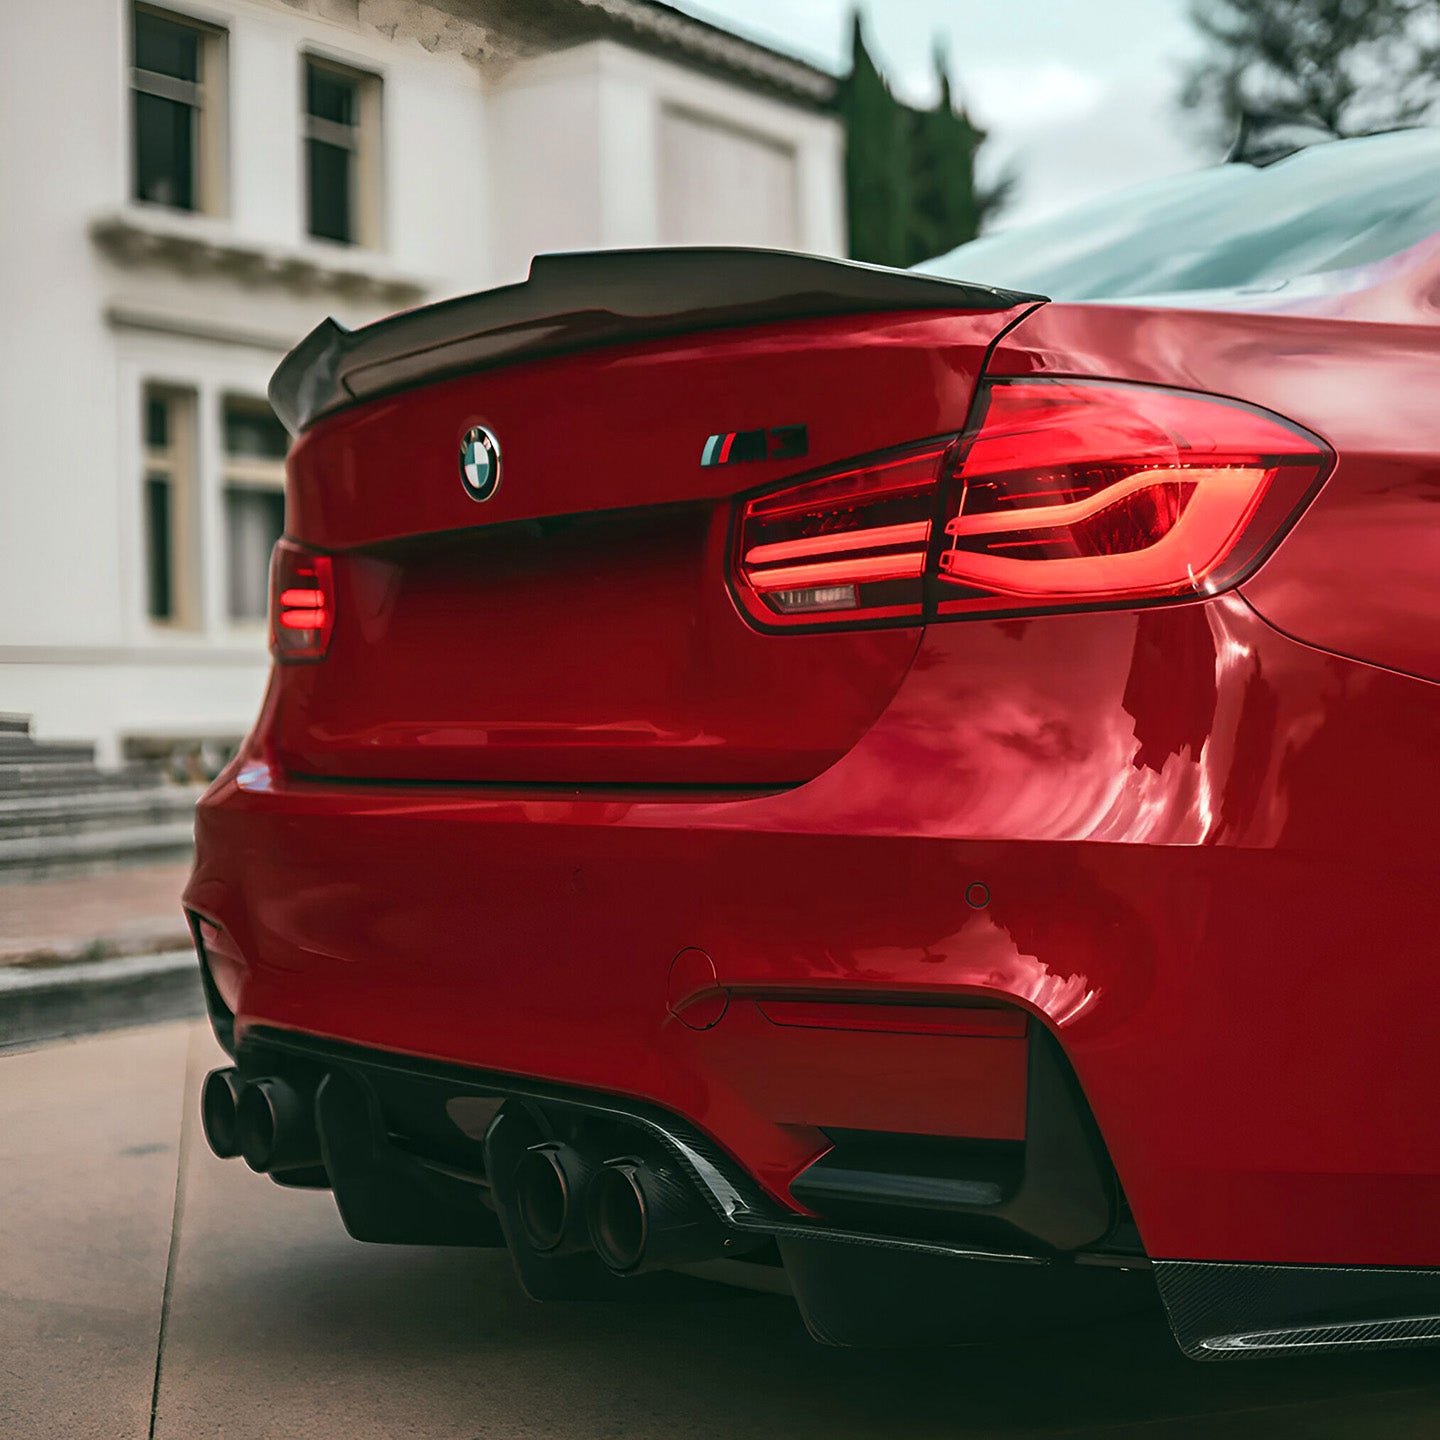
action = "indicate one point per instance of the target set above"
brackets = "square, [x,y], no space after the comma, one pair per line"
[484,160]
[636,141]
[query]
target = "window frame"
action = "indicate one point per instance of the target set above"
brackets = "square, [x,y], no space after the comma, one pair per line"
[207,96]
[177,463]
[245,473]
[364,140]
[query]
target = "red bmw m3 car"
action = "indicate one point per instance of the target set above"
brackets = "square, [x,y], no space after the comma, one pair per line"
[927,779]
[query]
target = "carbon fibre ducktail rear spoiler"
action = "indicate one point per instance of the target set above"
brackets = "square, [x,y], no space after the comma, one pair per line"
[589,298]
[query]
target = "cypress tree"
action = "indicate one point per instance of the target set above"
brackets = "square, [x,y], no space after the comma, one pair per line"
[944,208]
[909,173]
[877,160]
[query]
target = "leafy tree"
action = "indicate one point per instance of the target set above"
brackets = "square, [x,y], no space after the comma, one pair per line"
[909,173]
[1348,67]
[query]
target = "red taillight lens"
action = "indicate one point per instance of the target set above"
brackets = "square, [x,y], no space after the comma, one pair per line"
[302,603]
[1067,494]
[1076,493]
[851,545]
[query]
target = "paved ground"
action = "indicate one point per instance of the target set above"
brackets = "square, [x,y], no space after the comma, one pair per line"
[127,912]
[147,1289]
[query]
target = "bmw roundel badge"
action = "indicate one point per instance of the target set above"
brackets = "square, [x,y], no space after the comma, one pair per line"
[480,463]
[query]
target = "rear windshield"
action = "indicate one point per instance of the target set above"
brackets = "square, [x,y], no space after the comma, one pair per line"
[1339,204]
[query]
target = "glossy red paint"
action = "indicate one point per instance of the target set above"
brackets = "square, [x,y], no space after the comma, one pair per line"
[591,594]
[1355,365]
[1207,847]
[615,428]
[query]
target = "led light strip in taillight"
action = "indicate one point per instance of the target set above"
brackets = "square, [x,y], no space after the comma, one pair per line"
[1065,494]
[302,602]
[1074,493]
[853,541]
[1186,538]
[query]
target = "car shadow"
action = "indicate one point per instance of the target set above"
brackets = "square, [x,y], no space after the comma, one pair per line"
[443,1342]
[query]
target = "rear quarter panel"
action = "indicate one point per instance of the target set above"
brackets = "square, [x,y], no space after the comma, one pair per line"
[1359,574]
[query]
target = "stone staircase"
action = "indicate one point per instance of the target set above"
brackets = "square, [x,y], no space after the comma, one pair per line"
[60,814]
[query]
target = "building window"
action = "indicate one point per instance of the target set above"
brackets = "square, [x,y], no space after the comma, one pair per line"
[342,153]
[176,83]
[255,446]
[168,505]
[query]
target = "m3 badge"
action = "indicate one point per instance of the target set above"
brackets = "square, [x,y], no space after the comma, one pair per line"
[735,447]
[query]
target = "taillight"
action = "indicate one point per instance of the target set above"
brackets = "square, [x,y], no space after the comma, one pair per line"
[1075,493]
[855,542]
[1065,494]
[302,602]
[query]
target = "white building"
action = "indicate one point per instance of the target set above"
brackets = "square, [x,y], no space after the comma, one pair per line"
[187,188]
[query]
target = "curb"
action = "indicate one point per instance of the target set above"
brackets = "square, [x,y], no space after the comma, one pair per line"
[55,1001]
[156,940]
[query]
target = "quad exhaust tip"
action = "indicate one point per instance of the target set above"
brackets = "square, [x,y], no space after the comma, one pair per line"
[645,1214]
[550,1183]
[636,1212]
[219,1100]
[269,1123]
[618,1218]
[275,1127]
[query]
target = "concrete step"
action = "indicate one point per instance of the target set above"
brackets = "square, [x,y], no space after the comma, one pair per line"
[28,814]
[21,750]
[59,1000]
[33,857]
[60,814]
[68,777]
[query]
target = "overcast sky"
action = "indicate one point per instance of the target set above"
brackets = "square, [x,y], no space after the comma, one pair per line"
[1078,94]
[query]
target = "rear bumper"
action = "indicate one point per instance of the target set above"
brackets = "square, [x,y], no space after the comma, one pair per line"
[1198,855]
[568,952]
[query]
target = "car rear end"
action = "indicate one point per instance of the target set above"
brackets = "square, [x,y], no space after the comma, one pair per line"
[781,778]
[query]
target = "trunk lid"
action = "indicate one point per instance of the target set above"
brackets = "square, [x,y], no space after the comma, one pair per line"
[576,628]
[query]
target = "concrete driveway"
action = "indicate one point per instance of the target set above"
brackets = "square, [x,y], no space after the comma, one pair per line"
[147,1289]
